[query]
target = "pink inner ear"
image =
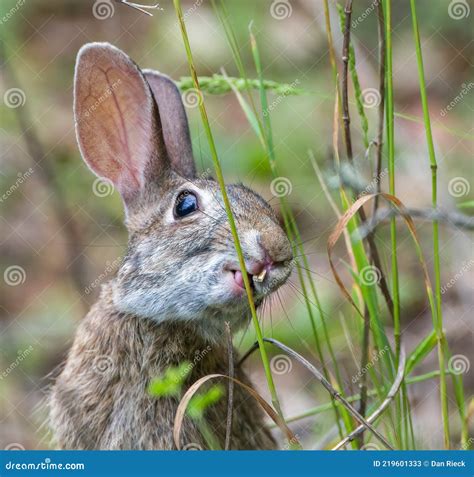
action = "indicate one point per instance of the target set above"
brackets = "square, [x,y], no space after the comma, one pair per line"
[114,117]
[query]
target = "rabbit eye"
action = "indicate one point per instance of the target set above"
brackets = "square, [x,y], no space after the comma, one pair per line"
[186,204]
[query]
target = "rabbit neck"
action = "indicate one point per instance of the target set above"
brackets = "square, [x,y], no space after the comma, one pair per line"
[101,398]
[152,341]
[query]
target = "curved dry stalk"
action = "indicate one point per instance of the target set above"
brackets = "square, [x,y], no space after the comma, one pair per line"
[181,411]
[335,394]
[341,225]
[327,385]
[378,412]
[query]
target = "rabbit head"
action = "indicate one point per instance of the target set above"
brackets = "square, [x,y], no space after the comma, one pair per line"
[181,262]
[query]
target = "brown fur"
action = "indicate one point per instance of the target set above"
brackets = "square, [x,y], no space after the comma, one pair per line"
[108,407]
[177,284]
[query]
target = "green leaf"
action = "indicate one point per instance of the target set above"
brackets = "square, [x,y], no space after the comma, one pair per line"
[171,382]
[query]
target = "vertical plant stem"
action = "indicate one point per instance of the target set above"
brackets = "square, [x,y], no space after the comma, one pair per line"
[347,138]
[381,108]
[345,78]
[291,226]
[391,172]
[233,227]
[438,319]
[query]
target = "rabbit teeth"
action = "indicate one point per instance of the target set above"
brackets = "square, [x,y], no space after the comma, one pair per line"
[261,276]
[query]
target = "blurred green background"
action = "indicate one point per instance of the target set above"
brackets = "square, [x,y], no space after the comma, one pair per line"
[61,237]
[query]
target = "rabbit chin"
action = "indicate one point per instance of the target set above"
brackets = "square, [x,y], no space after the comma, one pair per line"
[205,309]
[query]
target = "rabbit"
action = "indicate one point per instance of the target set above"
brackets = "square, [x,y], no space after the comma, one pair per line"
[179,282]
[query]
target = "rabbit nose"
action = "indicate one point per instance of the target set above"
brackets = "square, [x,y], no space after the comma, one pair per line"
[259,267]
[276,248]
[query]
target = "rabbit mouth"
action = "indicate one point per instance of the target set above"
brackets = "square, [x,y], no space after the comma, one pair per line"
[239,279]
[262,282]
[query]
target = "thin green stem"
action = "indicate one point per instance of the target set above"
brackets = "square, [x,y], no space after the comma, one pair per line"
[438,319]
[225,198]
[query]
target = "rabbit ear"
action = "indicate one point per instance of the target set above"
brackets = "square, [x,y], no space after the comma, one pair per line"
[117,124]
[174,122]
